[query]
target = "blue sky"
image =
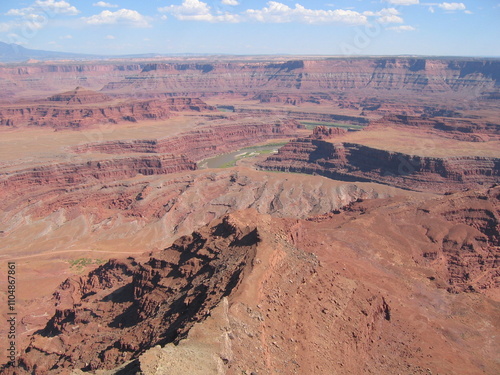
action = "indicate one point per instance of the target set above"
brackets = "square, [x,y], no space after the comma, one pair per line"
[318,27]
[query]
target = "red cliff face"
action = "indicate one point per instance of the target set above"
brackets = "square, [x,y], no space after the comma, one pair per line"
[428,76]
[65,175]
[304,116]
[355,162]
[296,78]
[203,143]
[161,156]
[81,108]
[462,129]
[139,305]
[247,292]
[79,96]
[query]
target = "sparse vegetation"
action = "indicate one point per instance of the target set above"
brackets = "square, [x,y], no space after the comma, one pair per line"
[312,124]
[80,263]
[253,153]
[267,145]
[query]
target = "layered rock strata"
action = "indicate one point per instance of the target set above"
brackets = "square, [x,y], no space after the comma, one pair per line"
[386,76]
[254,293]
[200,144]
[469,130]
[57,176]
[356,162]
[306,116]
[418,75]
[81,108]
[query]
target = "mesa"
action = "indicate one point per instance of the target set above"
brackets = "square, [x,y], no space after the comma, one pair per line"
[251,214]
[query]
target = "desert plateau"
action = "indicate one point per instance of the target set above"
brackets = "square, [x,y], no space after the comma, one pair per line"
[250,215]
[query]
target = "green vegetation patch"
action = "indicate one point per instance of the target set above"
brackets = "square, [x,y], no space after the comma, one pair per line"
[80,263]
[312,124]
[256,151]
[267,145]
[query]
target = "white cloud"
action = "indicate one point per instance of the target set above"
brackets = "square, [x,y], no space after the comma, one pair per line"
[390,19]
[386,15]
[195,10]
[401,28]
[404,2]
[188,8]
[110,37]
[279,13]
[18,12]
[43,7]
[468,12]
[273,12]
[431,9]
[37,15]
[230,2]
[66,37]
[11,25]
[452,6]
[62,7]
[122,16]
[103,4]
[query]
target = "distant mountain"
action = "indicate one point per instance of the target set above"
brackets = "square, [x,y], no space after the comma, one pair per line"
[15,52]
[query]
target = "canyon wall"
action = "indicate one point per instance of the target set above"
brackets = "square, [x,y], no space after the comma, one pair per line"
[468,77]
[420,75]
[306,116]
[64,175]
[251,284]
[82,110]
[355,162]
[463,129]
[200,144]
[163,156]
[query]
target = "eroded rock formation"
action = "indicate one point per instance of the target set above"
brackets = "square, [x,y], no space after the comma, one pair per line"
[207,141]
[418,75]
[246,294]
[470,130]
[81,108]
[290,80]
[57,176]
[356,162]
[125,302]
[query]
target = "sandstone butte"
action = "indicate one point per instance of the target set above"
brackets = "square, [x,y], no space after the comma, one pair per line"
[375,251]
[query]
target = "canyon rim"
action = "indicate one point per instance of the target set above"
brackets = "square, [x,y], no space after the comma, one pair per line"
[321,196]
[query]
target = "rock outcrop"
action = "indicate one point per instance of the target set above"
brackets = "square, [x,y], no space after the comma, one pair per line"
[79,96]
[288,80]
[322,132]
[57,176]
[81,108]
[356,162]
[125,302]
[251,293]
[200,144]
[405,74]
[462,129]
